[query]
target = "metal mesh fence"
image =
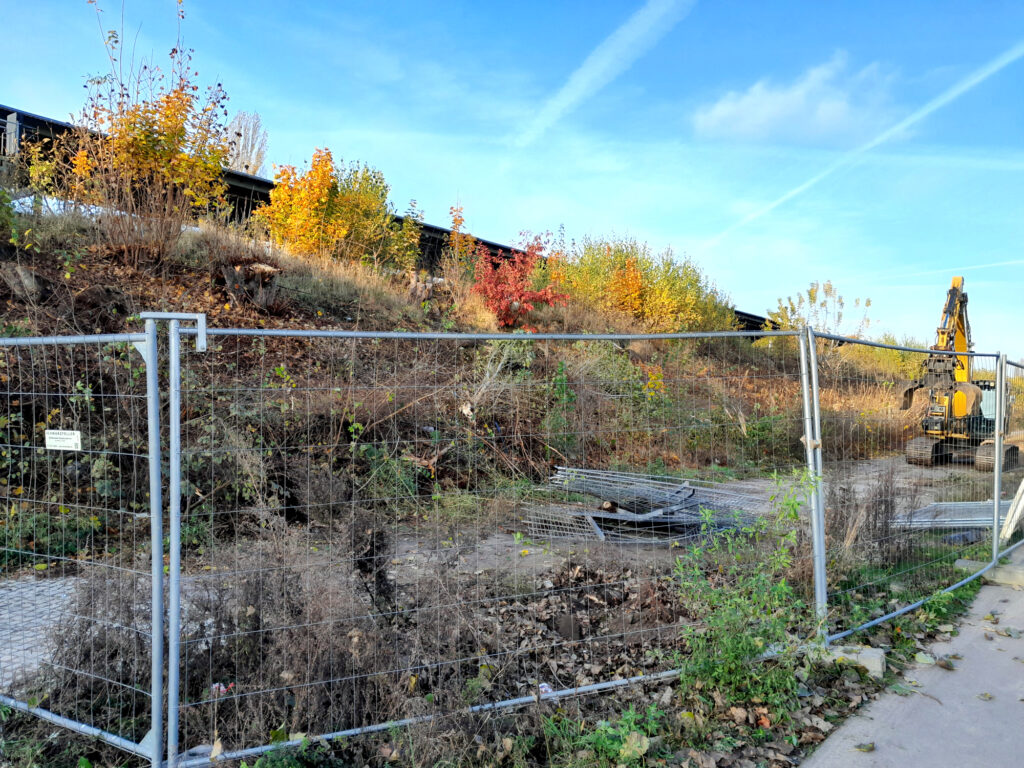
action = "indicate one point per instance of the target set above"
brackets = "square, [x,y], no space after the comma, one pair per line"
[75,539]
[383,528]
[1012,480]
[905,498]
[376,529]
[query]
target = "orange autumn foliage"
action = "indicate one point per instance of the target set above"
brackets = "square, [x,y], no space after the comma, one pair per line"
[303,213]
[335,211]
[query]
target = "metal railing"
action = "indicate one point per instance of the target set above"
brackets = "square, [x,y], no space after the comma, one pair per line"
[368,530]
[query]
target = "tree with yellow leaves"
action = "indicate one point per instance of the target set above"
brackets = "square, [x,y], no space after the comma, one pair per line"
[337,211]
[147,153]
[661,292]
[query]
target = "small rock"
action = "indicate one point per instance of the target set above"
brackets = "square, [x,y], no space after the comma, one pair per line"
[871,659]
[24,283]
[964,537]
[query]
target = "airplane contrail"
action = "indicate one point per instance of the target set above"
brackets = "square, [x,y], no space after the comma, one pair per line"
[896,274]
[615,54]
[975,78]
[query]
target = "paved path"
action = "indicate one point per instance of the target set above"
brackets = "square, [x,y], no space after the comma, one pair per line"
[955,724]
[29,608]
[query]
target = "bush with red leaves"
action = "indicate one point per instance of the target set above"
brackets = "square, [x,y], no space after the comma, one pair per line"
[506,282]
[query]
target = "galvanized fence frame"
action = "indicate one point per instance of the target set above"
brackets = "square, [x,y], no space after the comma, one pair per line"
[1014,415]
[175,517]
[181,328]
[149,747]
[822,568]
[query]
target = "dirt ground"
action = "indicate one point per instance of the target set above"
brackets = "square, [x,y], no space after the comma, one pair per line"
[31,604]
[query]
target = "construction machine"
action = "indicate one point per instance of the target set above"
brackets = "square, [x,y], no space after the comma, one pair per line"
[960,423]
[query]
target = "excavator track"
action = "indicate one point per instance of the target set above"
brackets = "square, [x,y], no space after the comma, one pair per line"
[985,457]
[924,451]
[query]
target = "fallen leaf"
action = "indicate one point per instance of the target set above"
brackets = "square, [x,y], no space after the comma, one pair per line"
[924,658]
[634,746]
[985,696]
[218,749]
[868,746]
[945,663]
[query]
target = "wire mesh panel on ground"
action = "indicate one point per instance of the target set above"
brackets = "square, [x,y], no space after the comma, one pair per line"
[75,542]
[377,528]
[904,493]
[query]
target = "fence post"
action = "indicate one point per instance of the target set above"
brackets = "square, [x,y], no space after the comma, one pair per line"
[997,467]
[156,534]
[174,511]
[173,654]
[812,446]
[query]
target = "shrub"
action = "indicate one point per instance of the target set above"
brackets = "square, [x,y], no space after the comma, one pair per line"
[466,306]
[6,216]
[822,308]
[340,212]
[506,282]
[893,364]
[661,292]
[147,152]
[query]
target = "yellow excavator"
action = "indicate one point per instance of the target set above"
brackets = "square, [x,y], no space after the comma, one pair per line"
[960,423]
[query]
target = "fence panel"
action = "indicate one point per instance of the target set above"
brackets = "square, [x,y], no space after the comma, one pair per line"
[1012,485]
[901,505]
[76,545]
[370,532]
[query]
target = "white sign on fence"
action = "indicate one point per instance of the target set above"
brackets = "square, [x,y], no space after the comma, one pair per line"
[63,440]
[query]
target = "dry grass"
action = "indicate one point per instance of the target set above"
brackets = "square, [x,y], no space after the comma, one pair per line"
[347,290]
[861,521]
[861,419]
[467,308]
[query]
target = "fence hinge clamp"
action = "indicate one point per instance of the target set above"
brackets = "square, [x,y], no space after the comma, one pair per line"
[193,317]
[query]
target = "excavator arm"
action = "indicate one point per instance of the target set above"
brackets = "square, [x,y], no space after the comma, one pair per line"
[953,335]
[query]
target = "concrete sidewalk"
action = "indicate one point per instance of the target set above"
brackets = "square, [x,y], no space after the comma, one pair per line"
[949,721]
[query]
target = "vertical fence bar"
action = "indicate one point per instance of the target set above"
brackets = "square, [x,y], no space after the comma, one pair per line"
[997,469]
[817,496]
[156,542]
[174,512]
[810,438]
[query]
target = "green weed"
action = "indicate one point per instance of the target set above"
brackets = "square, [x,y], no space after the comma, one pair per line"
[749,612]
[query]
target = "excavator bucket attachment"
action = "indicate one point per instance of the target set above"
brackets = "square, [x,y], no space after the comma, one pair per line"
[908,394]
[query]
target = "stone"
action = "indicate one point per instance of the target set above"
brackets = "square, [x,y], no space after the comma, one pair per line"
[24,283]
[872,660]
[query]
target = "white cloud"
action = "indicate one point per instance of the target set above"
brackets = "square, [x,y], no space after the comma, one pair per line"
[826,104]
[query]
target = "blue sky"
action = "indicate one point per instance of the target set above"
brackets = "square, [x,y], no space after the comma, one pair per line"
[677,122]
